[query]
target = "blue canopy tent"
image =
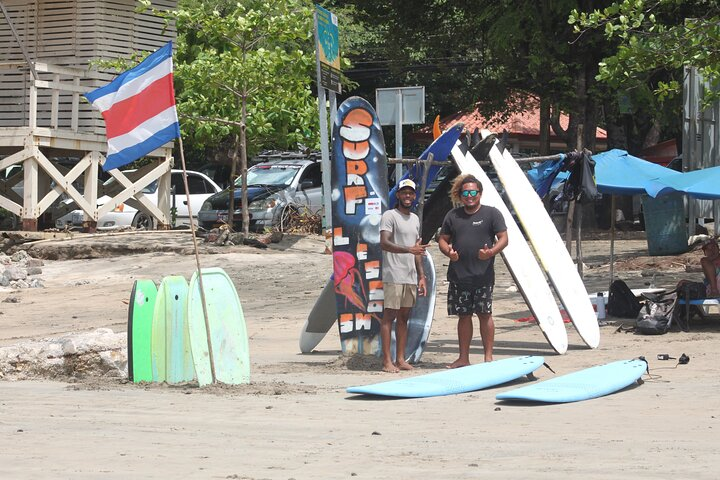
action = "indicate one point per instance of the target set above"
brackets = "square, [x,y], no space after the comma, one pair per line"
[619,173]
[701,184]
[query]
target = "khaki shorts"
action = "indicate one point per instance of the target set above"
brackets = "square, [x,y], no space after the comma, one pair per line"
[399,295]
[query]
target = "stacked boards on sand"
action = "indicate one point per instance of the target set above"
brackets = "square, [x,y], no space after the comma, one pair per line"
[519,258]
[547,244]
[582,385]
[228,333]
[457,380]
[140,319]
[324,312]
[359,196]
[172,360]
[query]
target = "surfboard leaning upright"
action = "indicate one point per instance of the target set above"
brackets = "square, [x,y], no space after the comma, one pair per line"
[359,196]
[324,312]
[140,318]
[547,244]
[519,259]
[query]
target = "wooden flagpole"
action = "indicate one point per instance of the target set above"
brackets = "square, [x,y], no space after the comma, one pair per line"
[197,261]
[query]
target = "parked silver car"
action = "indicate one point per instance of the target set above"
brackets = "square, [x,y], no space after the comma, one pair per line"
[275,187]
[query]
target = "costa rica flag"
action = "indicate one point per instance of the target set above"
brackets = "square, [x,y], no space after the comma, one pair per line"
[139,109]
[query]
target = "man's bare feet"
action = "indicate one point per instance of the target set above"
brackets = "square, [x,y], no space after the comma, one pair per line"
[403,365]
[390,368]
[489,359]
[458,363]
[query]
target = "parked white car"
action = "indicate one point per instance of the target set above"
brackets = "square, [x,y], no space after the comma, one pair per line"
[200,185]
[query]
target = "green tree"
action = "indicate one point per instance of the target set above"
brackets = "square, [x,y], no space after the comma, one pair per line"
[657,37]
[485,54]
[244,71]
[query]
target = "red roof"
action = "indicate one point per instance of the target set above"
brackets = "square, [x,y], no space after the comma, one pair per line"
[522,123]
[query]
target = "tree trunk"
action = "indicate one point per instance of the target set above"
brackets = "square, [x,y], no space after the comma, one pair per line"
[243,169]
[544,147]
[233,173]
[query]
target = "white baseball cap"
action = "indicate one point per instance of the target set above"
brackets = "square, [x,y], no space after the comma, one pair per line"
[406,183]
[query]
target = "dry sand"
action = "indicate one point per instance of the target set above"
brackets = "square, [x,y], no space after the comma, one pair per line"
[295,421]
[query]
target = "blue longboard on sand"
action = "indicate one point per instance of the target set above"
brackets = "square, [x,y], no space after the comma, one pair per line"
[457,380]
[582,385]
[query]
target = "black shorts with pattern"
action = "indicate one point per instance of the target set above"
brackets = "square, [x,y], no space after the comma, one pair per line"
[468,300]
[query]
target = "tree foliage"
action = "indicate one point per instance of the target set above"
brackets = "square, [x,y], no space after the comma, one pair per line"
[258,51]
[657,39]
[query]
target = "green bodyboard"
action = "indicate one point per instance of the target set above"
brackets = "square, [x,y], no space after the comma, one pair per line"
[140,316]
[228,333]
[171,359]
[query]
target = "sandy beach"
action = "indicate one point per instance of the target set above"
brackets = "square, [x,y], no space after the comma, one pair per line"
[295,421]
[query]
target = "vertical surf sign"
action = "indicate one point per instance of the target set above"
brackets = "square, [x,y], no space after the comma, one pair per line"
[359,196]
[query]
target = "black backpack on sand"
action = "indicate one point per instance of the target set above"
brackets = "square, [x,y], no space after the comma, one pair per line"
[622,302]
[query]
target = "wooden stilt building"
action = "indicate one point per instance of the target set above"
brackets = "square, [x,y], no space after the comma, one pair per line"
[52,143]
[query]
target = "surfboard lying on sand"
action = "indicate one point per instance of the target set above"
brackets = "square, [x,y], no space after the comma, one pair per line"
[519,258]
[171,356]
[228,332]
[582,385]
[457,380]
[548,246]
[140,316]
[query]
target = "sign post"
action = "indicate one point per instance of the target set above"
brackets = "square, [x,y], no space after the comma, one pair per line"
[327,48]
[400,106]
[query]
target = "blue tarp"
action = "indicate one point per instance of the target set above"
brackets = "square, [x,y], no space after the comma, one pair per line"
[619,173]
[702,184]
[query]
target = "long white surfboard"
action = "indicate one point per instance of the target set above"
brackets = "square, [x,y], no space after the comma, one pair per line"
[548,245]
[520,259]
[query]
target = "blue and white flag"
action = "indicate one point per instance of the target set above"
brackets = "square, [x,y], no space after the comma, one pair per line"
[139,109]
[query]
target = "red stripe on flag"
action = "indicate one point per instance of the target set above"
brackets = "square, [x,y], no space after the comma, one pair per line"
[127,114]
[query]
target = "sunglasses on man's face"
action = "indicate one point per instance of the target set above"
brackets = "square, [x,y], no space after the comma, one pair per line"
[470,193]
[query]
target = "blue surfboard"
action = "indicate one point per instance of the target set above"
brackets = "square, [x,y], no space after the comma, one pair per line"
[582,385]
[440,150]
[458,380]
[421,317]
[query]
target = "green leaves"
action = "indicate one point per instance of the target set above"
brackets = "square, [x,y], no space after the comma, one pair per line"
[257,52]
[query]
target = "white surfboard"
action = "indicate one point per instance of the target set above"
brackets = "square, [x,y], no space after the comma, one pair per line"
[520,259]
[548,245]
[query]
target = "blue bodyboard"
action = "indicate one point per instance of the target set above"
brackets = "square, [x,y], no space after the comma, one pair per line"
[457,380]
[582,385]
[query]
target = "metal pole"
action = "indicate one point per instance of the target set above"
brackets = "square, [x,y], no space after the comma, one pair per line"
[398,134]
[325,158]
[612,240]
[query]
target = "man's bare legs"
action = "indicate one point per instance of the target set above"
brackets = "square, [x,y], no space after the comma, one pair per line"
[465,334]
[487,332]
[385,332]
[401,330]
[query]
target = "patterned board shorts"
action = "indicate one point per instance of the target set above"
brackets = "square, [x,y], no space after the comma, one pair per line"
[467,300]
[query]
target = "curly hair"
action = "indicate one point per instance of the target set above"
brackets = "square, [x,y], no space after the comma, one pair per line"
[457,186]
